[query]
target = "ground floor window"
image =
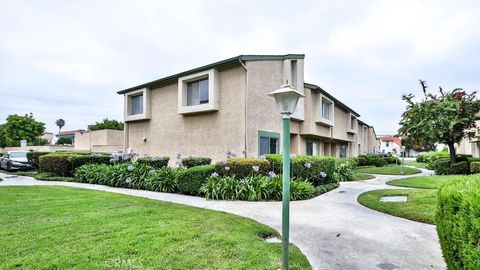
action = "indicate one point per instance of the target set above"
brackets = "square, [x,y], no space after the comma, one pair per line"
[343,150]
[312,148]
[268,142]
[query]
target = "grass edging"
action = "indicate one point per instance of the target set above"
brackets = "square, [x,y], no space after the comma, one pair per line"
[420,206]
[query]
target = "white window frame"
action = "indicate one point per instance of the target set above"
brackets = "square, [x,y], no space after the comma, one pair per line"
[319,111]
[145,115]
[351,117]
[315,145]
[213,97]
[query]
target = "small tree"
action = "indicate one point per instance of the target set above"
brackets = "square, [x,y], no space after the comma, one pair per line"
[19,128]
[60,123]
[106,124]
[447,117]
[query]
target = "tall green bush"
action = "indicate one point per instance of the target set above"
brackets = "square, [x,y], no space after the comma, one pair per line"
[190,180]
[243,167]
[33,157]
[190,162]
[155,162]
[65,164]
[475,167]
[458,222]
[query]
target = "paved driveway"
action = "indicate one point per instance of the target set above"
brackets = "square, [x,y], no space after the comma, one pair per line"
[332,230]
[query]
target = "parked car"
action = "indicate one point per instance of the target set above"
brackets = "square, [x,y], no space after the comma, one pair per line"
[15,160]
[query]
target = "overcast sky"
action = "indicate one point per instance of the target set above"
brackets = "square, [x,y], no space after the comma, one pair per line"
[67,59]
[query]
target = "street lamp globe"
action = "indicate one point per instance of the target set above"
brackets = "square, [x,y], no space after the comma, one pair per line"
[402,149]
[286,98]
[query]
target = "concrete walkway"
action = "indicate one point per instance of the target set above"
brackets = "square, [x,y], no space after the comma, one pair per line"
[333,230]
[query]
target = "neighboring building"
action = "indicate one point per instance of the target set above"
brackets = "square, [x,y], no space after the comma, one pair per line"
[105,140]
[224,106]
[48,136]
[390,144]
[69,134]
[470,146]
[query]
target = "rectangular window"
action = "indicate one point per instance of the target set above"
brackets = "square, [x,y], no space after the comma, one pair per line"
[343,150]
[312,148]
[268,145]
[326,109]
[197,92]
[387,144]
[137,104]
[352,123]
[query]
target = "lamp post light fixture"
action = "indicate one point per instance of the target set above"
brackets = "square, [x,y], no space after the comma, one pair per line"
[402,150]
[286,98]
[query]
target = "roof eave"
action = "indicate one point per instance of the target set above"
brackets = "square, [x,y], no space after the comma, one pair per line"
[219,64]
[341,104]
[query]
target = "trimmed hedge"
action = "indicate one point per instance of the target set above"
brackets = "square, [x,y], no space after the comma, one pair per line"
[190,162]
[66,164]
[475,167]
[155,162]
[432,155]
[460,168]
[392,160]
[442,166]
[462,157]
[458,222]
[33,158]
[190,180]
[243,167]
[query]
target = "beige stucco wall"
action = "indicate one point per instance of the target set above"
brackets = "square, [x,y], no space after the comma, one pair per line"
[106,137]
[244,109]
[209,134]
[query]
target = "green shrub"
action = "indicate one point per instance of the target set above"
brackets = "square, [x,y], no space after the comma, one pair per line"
[163,180]
[190,180]
[377,162]
[276,162]
[76,161]
[315,169]
[190,162]
[460,168]
[462,157]
[54,163]
[344,169]
[124,175]
[473,159]
[432,156]
[475,167]
[155,162]
[458,222]
[63,164]
[254,188]
[320,189]
[33,157]
[442,166]
[243,167]
[392,160]
[361,161]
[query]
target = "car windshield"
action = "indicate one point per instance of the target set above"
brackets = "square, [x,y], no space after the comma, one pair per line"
[18,154]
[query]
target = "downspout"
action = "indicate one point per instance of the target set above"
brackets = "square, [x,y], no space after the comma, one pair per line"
[245,109]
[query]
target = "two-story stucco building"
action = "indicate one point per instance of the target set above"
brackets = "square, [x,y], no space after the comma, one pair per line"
[224,106]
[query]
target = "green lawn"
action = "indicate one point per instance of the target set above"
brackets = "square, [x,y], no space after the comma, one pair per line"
[428,182]
[420,206]
[68,228]
[391,170]
[416,164]
[362,176]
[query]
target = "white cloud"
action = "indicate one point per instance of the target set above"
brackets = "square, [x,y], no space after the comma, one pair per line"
[366,51]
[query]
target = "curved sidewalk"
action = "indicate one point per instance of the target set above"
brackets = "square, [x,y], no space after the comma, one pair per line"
[333,230]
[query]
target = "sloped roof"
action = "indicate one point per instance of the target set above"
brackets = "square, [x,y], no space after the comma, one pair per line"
[394,139]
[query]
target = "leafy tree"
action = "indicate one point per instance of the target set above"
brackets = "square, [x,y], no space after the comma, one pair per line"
[60,123]
[447,117]
[106,124]
[417,144]
[3,139]
[19,128]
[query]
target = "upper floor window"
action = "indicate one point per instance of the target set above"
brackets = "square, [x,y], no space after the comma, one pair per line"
[136,104]
[326,109]
[353,122]
[197,92]
[387,144]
